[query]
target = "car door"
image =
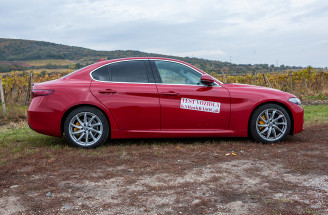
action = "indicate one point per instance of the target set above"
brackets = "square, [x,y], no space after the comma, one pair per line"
[128,90]
[186,104]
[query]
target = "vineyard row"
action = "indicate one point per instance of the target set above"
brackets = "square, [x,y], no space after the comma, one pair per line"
[304,84]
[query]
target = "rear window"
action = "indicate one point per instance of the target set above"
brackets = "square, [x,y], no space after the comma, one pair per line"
[126,71]
[101,74]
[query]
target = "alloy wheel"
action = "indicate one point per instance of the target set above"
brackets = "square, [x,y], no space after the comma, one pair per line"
[271,124]
[85,128]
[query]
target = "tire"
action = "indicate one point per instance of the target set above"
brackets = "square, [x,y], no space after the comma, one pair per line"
[270,123]
[86,127]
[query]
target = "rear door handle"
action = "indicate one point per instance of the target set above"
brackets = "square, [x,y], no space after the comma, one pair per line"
[170,93]
[107,91]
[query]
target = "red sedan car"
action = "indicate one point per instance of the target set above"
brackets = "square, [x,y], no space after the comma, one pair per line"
[158,98]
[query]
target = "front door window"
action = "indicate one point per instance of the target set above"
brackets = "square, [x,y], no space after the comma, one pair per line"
[175,73]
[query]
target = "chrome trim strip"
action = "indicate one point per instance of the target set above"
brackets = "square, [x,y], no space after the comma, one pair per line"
[218,85]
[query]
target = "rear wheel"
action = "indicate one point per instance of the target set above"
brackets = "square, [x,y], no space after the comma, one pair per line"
[86,127]
[270,123]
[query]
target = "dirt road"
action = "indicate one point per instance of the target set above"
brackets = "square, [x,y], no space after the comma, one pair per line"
[172,176]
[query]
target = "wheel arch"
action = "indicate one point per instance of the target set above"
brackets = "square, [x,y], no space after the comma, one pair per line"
[277,103]
[68,111]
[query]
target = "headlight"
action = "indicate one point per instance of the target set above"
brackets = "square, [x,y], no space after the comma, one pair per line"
[295,100]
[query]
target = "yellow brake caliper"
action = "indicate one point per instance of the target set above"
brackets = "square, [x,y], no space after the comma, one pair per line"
[76,129]
[261,122]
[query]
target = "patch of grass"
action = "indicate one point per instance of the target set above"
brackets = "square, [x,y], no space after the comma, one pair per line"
[314,114]
[276,212]
[311,211]
[18,140]
[15,113]
[320,96]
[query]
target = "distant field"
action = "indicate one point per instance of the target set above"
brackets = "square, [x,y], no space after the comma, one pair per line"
[59,62]
[36,71]
[51,70]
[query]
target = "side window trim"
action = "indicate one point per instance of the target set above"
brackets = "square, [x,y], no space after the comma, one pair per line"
[157,77]
[149,71]
[152,73]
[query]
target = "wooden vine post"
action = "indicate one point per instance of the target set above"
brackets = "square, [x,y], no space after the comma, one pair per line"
[266,79]
[285,83]
[2,97]
[305,84]
[29,88]
[291,81]
[224,77]
[254,73]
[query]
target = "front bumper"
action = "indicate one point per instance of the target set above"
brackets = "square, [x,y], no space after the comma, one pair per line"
[298,116]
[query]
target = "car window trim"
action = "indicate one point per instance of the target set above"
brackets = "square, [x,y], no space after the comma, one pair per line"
[155,73]
[150,74]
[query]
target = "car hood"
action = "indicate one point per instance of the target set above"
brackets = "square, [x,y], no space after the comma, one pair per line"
[253,88]
[232,85]
[242,85]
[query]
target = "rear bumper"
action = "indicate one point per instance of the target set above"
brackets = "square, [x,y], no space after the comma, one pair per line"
[43,119]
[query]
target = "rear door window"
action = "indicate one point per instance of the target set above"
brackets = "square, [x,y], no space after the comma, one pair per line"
[125,71]
[128,71]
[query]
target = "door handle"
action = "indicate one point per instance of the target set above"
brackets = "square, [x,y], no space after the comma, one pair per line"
[170,93]
[107,91]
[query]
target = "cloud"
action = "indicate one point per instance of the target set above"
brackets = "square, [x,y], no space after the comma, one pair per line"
[292,31]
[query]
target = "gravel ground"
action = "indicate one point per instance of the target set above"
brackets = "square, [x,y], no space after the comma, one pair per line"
[173,176]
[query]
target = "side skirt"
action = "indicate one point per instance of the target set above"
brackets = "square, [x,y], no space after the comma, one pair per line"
[122,134]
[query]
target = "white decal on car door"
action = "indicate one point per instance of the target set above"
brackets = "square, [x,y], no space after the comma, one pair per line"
[200,105]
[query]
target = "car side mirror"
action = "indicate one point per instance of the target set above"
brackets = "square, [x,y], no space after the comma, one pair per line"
[207,80]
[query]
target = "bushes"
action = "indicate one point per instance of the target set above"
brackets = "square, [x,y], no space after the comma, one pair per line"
[15,84]
[306,84]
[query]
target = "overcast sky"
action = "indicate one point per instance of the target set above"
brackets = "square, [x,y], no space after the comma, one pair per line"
[290,32]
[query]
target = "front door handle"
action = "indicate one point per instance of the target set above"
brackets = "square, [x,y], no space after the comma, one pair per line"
[107,91]
[170,93]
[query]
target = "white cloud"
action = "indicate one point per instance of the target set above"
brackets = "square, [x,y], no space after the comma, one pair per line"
[251,31]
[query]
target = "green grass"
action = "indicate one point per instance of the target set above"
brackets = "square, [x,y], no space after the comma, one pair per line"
[18,140]
[17,133]
[314,114]
[15,113]
[320,96]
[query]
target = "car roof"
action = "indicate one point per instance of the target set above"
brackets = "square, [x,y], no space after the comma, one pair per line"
[141,58]
[104,62]
[86,70]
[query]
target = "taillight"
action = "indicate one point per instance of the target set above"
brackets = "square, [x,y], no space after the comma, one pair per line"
[36,93]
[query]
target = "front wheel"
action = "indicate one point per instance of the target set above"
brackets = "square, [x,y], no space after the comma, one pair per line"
[86,127]
[270,123]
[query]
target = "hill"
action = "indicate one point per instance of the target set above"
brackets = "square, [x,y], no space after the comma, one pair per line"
[15,52]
